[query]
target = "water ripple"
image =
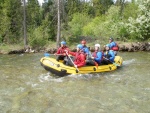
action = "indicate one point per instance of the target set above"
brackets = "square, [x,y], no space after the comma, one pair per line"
[85,76]
[48,77]
[127,62]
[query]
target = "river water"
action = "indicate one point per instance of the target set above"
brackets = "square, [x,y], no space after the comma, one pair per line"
[25,87]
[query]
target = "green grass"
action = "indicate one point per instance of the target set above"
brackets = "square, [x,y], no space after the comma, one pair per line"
[5,48]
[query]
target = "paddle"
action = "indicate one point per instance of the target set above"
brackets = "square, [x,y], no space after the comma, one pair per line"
[48,55]
[72,61]
[112,62]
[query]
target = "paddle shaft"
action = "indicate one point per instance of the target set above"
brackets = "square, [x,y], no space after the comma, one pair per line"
[111,62]
[58,54]
[72,61]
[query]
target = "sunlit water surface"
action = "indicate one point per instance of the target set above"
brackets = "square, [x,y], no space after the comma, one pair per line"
[25,87]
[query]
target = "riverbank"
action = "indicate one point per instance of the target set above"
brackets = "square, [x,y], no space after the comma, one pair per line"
[123,46]
[135,46]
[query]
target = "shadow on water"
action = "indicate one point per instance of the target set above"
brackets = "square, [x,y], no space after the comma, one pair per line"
[27,88]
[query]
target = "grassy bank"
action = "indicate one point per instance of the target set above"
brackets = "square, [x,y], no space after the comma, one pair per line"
[6,48]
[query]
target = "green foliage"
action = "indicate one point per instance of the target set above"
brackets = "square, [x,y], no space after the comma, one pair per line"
[103,26]
[79,18]
[139,28]
[94,27]
[77,23]
[33,14]
[11,21]
[131,10]
[101,6]
[49,22]
[36,39]
[1,39]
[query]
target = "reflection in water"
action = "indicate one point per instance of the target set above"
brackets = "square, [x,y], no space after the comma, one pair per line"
[27,88]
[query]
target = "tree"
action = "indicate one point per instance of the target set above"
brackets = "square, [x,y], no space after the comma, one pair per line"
[49,20]
[24,23]
[33,14]
[58,23]
[139,28]
[101,6]
[11,21]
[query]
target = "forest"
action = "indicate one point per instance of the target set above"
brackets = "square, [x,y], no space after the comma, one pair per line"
[91,19]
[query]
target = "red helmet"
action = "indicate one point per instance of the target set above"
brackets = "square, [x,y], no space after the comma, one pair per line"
[83,42]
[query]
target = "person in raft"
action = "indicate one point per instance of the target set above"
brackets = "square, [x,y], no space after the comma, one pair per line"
[113,45]
[80,57]
[85,48]
[96,57]
[61,54]
[109,55]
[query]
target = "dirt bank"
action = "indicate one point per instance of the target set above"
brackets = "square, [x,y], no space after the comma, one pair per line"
[135,46]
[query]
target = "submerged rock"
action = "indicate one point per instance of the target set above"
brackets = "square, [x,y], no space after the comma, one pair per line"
[16,51]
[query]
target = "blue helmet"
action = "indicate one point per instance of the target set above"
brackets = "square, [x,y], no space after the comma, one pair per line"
[107,45]
[63,42]
[79,46]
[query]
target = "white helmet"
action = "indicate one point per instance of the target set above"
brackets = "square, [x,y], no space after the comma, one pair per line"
[97,45]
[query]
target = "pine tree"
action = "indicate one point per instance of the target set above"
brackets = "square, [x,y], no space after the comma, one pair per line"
[11,21]
[33,14]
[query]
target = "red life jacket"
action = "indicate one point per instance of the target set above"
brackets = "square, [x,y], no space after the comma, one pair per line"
[95,54]
[115,48]
[61,50]
[80,58]
[78,54]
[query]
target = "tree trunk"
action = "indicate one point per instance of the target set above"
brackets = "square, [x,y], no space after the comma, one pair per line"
[122,2]
[58,24]
[24,23]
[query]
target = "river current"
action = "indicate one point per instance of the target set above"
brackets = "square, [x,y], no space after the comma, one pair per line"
[25,87]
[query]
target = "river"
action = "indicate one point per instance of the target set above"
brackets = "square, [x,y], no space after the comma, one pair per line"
[25,87]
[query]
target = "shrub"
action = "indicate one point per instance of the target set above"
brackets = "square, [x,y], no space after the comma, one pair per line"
[36,39]
[77,23]
[139,28]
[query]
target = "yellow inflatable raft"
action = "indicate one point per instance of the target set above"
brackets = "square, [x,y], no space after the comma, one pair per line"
[60,69]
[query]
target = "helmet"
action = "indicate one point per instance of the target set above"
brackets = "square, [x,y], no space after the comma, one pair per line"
[83,42]
[111,39]
[79,46]
[63,42]
[97,45]
[107,45]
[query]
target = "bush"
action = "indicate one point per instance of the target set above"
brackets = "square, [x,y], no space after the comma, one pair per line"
[36,39]
[104,25]
[139,28]
[76,25]
[1,39]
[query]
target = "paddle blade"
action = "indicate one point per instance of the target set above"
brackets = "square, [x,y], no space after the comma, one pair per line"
[46,54]
[116,64]
[96,64]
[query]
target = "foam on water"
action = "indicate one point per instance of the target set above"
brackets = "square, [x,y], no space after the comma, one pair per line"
[48,77]
[84,76]
[80,75]
[147,89]
[127,62]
